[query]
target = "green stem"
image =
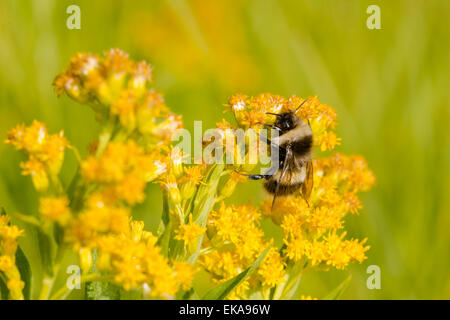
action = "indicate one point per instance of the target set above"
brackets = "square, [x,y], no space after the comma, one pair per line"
[47,284]
[295,275]
[105,135]
[49,281]
[76,153]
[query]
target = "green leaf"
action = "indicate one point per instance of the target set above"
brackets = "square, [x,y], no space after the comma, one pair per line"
[285,291]
[207,194]
[47,251]
[337,292]
[3,288]
[204,202]
[166,226]
[164,240]
[221,291]
[166,209]
[25,272]
[31,220]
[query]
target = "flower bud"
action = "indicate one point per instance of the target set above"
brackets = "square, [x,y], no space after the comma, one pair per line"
[228,189]
[85,259]
[172,188]
[187,190]
[104,261]
[141,75]
[238,105]
[40,181]
[176,161]
[137,227]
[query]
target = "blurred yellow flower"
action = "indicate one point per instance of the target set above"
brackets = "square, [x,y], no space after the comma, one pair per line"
[190,231]
[55,209]
[45,151]
[8,247]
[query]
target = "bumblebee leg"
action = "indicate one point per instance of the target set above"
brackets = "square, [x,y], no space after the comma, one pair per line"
[257,176]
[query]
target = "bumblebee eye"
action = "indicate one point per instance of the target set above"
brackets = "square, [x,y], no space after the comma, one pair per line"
[287,123]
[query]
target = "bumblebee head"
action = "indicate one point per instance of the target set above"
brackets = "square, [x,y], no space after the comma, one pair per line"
[287,121]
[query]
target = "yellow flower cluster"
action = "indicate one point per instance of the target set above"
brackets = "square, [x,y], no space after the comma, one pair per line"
[181,180]
[8,247]
[251,112]
[132,150]
[136,261]
[313,233]
[118,88]
[311,230]
[236,241]
[190,231]
[55,209]
[114,85]
[98,217]
[123,170]
[45,152]
[94,215]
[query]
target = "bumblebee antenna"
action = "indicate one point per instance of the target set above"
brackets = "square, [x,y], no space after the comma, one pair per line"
[299,106]
[294,111]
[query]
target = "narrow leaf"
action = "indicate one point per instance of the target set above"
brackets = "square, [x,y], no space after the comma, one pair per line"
[3,288]
[46,250]
[221,291]
[337,292]
[25,272]
[204,203]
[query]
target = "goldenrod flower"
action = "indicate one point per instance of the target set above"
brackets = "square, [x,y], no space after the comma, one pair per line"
[189,181]
[190,231]
[272,270]
[328,140]
[45,152]
[176,162]
[140,76]
[169,182]
[237,240]
[55,209]
[184,274]
[136,262]
[303,297]
[125,108]
[123,170]
[8,247]
[100,216]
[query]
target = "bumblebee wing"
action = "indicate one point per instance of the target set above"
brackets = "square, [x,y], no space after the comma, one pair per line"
[287,160]
[309,181]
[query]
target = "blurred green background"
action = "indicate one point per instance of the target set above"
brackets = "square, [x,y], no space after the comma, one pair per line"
[390,88]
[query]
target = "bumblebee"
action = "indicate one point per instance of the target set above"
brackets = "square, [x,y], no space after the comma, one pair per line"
[292,167]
